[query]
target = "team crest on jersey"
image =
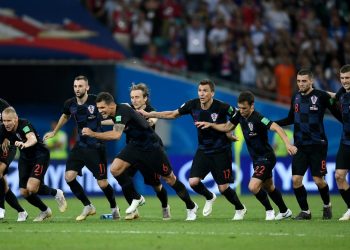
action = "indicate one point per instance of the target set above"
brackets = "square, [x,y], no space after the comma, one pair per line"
[91,109]
[251,126]
[313,101]
[214,116]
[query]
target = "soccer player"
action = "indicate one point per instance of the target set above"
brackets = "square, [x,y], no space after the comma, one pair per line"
[255,130]
[144,147]
[87,151]
[32,164]
[6,157]
[214,152]
[306,113]
[139,95]
[343,159]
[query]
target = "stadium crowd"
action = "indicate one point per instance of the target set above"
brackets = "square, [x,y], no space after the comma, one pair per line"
[253,43]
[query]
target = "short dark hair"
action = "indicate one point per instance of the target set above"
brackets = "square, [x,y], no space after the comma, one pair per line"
[81,77]
[208,82]
[345,68]
[106,97]
[246,96]
[307,72]
[143,87]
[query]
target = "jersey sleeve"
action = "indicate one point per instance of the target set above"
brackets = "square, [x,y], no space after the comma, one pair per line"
[234,118]
[332,106]
[26,127]
[264,121]
[186,108]
[66,106]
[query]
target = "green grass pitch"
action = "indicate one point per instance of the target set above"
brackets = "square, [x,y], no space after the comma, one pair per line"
[215,232]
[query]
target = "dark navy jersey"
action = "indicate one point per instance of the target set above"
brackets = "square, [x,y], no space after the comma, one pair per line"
[344,99]
[148,108]
[24,127]
[85,115]
[306,113]
[255,130]
[209,140]
[3,105]
[137,129]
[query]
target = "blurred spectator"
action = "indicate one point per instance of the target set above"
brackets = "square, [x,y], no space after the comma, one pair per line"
[174,61]
[97,8]
[265,79]
[141,34]
[331,74]
[58,145]
[216,39]
[196,45]
[246,58]
[122,24]
[152,58]
[285,78]
[320,81]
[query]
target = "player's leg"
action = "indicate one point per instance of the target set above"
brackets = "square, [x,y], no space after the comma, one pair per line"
[342,169]
[299,167]
[318,171]
[96,162]
[199,169]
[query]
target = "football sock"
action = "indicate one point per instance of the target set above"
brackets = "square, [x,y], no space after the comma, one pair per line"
[12,200]
[324,192]
[345,194]
[202,190]
[232,197]
[109,193]
[301,195]
[128,188]
[182,192]
[163,196]
[264,200]
[46,190]
[276,197]
[78,191]
[36,202]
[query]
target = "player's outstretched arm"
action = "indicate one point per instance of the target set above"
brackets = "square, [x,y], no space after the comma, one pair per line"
[292,150]
[222,127]
[114,134]
[161,115]
[63,120]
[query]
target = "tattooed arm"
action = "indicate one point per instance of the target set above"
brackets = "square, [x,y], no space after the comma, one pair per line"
[114,134]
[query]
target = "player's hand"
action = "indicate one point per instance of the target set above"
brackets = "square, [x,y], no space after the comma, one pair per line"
[20,144]
[292,150]
[48,135]
[202,125]
[5,145]
[232,137]
[87,132]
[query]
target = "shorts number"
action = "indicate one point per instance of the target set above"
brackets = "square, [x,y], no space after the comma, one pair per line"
[227,174]
[38,169]
[259,170]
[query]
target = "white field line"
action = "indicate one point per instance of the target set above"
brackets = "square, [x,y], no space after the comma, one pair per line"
[169,233]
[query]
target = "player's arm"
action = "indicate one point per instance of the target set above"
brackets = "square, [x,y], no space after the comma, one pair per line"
[114,134]
[107,122]
[222,127]
[289,119]
[31,140]
[63,120]
[161,115]
[292,150]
